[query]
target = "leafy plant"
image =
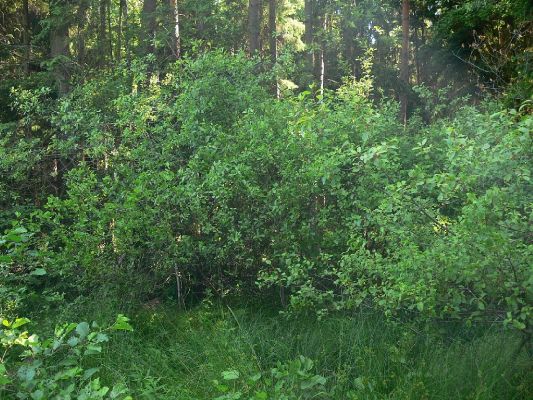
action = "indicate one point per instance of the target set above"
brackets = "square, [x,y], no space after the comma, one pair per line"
[57,367]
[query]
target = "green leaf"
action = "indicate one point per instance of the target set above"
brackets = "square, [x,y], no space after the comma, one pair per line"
[38,272]
[37,395]
[82,329]
[19,322]
[92,349]
[90,372]
[4,259]
[230,375]
[122,324]
[4,380]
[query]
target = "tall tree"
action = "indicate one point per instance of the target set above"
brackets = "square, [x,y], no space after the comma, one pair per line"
[122,17]
[102,30]
[309,34]
[174,27]
[404,66]
[273,40]
[148,25]
[59,41]
[81,22]
[26,36]
[254,26]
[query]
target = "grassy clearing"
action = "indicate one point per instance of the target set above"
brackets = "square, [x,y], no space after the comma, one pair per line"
[177,354]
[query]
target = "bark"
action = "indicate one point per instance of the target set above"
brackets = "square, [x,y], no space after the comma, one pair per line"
[321,62]
[404,67]
[121,9]
[309,34]
[59,50]
[148,25]
[174,27]
[26,36]
[102,39]
[81,19]
[254,25]
[109,30]
[273,41]
[272,31]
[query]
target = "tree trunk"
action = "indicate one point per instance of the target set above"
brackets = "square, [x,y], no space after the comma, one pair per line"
[404,67]
[26,36]
[121,9]
[148,25]
[273,40]
[254,25]
[102,40]
[59,48]
[174,26]
[308,37]
[81,20]
[109,30]
[321,61]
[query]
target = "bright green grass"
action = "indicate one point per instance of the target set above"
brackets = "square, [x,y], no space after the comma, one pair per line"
[176,354]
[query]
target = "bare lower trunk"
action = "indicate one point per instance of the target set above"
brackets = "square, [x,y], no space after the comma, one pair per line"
[254,25]
[148,25]
[321,61]
[59,51]
[174,26]
[404,67]
[308,37]
[26,36]
[273,41]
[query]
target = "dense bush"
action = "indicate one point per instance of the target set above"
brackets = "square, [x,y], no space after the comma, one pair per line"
[203,180]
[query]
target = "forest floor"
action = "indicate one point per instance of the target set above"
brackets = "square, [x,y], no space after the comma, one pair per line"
[176,354]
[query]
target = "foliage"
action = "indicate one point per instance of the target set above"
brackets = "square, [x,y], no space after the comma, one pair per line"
[292,380]
[55,368]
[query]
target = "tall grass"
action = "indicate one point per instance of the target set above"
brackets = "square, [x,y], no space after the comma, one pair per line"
[176,354]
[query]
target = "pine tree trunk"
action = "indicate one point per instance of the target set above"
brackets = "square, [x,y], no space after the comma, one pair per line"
[81,21]
[273,40]
[309,34]
[148,25]
[121,8]
[404,66]
[59,49]
[254,26]
[174,26]
[26,36]
[102,40]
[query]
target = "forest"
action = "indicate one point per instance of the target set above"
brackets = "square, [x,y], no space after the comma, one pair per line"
[266,200]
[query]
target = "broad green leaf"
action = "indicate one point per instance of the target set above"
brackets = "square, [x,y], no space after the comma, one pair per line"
[122,324]
[38,272]
[230,375]
[82,329]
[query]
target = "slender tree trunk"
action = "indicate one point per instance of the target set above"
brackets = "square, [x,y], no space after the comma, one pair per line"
[309,34]
[26,36]
[321,66]
[416,56]
[121,8]
[109,30]
[273,40]
[102,39]
[59,49]
[319,57]
[254,26]
[174,26]
[404,66]
[81,20]
[148,25]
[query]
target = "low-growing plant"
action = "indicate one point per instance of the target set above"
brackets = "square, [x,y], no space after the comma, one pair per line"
[58,367]
[293,380]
